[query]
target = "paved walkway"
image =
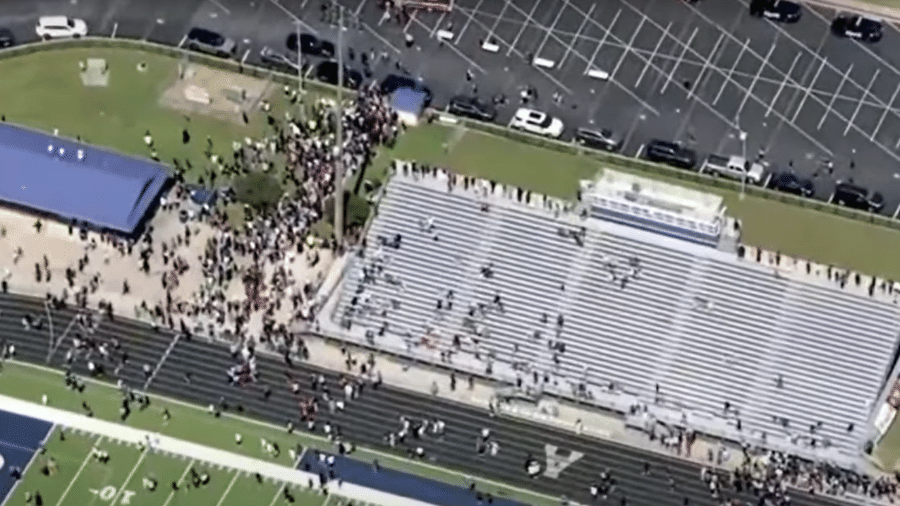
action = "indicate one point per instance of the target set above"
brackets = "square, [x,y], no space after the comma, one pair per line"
[200,453]
[885,12]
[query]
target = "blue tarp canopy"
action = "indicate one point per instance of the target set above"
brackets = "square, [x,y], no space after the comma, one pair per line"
[409,101]
[73,181]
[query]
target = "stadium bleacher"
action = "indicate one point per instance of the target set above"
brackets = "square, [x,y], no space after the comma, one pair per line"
[566,300]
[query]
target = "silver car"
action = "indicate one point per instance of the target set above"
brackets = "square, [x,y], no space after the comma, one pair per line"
[208,41]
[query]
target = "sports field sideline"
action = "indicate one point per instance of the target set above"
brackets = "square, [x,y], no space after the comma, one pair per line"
[189,423]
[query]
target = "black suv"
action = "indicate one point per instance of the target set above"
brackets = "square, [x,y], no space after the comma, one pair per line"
[790,182]
[327,72]
[393,82]
[598,139]
[776,10]
[857,27]
[671,153]
[311,45]
[6,38]
[471,107]
[857,197]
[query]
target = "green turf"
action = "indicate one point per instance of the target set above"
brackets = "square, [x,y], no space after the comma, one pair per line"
[792,230]
[887,454]
[193,423]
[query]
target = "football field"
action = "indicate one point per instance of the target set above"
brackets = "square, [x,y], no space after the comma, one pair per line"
[68,473]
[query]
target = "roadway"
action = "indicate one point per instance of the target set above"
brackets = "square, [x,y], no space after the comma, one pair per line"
[368,419]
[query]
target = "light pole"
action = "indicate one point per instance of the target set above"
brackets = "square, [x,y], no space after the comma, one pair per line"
[339,161]
[299,61]
[743,136]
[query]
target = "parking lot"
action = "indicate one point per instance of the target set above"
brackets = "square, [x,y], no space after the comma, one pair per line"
[706,74]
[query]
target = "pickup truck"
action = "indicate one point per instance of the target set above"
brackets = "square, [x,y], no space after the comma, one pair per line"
[734,167]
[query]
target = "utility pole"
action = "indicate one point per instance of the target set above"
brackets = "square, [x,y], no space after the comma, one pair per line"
[339,155]
[299,61]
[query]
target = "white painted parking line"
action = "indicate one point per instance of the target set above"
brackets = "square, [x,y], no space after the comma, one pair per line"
[183,40]
[490,34]
[861,99]
[628,48]
[640,150]
[731,72]
[896,212]
[653,54]
[577,36]
[783,82]
[808,91]
[524,25]
[294,17]
[456,50]
[359,8]
[834,97]
[756,77]
[244,58]
[412,17]
[678,62]
[219,5]
[884,114]
[437,25]
[115,28]
[549,31]
[830,198]
[706,63]
[590,64]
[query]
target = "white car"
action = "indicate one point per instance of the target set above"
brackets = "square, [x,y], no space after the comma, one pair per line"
[60,27]
[537,122]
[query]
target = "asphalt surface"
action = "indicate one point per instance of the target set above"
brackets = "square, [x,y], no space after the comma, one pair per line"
[368,419]
[697,73]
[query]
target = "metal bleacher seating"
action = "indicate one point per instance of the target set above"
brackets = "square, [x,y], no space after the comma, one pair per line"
[673,323]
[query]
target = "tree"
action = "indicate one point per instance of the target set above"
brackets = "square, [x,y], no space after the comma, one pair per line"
[258,190]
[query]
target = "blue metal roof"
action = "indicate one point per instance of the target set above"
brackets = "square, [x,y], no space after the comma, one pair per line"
[72,180]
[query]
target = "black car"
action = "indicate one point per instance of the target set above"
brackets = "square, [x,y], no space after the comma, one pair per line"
[776,10]
[276,61]
[671,153]
[6,38]
[311,45]
[471,107]
[598,139]
[857,197]
[327,72]
[857,27]
[790,182]
[208,41]
[393,82]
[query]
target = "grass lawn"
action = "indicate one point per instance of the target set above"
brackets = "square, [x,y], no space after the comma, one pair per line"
[887,453]
[193,423]
[792,230]
[47,93]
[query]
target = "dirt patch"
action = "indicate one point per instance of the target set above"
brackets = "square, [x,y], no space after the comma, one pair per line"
[224,95]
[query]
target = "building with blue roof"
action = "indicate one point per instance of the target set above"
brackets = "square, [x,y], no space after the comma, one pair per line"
[77,183]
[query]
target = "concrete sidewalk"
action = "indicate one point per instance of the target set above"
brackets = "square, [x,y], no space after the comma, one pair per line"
[885,12]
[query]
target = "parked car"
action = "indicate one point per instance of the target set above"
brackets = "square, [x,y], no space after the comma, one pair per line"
[790,182]
[537,122]
[394,82]
[857,197]
[471,107]
[671,153]
[598,139]
[60,27]
[277,61]
[208,41]
[327,72]
[776,10]
[6,38]
[857,27]
[311,45]
[734,167]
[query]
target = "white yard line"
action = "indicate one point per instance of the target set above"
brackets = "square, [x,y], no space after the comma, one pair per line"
[134,469]
[84,464]
[230,486]
[180,480]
